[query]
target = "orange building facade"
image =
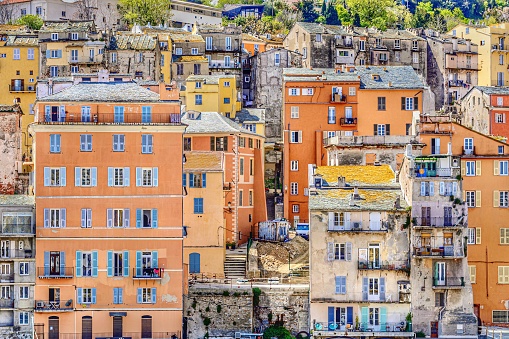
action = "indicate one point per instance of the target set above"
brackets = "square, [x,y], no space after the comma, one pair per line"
[484,171]
[109,218]
[324,103]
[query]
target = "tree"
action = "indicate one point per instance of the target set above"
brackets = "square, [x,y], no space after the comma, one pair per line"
[324,8]
[85,9]
[277,331]
[331,15]
[371,13]
[423,14]
[307,8]
[31,21]
[145,12]
[7,9]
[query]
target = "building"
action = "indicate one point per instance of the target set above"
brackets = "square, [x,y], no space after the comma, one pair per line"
[253,44]
[452,68]
[113,227]
[231,11]
[212,93]
[484,194]
[484,109]
[442,302]
[187,57]
[244,190]
[19,67]
[492,48]
[328,46]
[359,253]
[185,14]
[252,119]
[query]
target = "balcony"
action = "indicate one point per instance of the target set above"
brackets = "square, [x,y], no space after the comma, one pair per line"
[469,151]
[110,118]
[348,121]
[384,265]
[449,283]
[344,43]
[442,222]
[363,329]
[17,254]
[86,60]
[438,251]
[358,226]
[232,65]
[125,335]
[338,98]
[500,47]
[17,229]
[53,306]
[6,278]
[456,83]
[6,303]
[55,273]
[153,273]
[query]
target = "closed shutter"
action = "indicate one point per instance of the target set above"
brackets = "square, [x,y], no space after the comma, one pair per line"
[330,315]
[387,129]
[416,104]
[117,326]
[431,188]
[77,176]
[93,179]
[365,288]
[330,251]
[375,129]
[477,198]
[146,326]
[383,318]
[403,103]
[126,217]
[382,289]
[477,235]
[86,327]
[138,217]
[348,251]
[110,264]
[94,264]
[154,218]
[463,167]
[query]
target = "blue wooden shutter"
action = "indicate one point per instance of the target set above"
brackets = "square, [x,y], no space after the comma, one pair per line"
[79,267]
[94,296]
[423,188]
[365,283]
[150,143]
[80,295]
[47,113]
[47,176]
[194,263]
[139,297]
[46,217]
[337,282]
[127,176]
[115,295]
[63,176]
[94,176]
[110,264]
[431,188]
[89,217]
[383,319]
[364,318]
[138,263]
[204,180]
[184,179]
[48,53]
[154,218]
[154,259]
[59,53]
[77,176]
[138,176]
[155,177]
[83,218]
[330,315]
[57,142]
[144,143]
[95,267]
[46,263]
[62,218]
[126,263]
[127,217]
[154,297]
[343,285]
[138,218]
[349,315]
[62,263]
[109,217]
[191,180]
[111,176]
[120,295]
[83,142]
[382,289]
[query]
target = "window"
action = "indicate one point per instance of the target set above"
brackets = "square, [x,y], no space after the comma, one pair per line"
[146,143]
[362,45]
[501,316]
[381,129]
[118,142]
[397,43]
[500,149]
[180,69]
[178,51]
[198,205]
[3,55]
[439,299]
[304,52]
[468,145]
[427,188]
[208,43]
[147,176]
[226,100]
[197,69]
[294,113]
[146,114]
[471,236]
[86,218]
[242,142]
[241,197]
[307,91]
[503,198]
[198,180]
[16,54]
[24,268]
[146,218]
[503,274]
[500,61]
[295,137]
[295,208]
[54,143]
[53,71]
[331,115]
[351,91]
[470,198]
[194,51]
[219,143]
[340,284]
[503,167]
[23,292]
[85,176]
[227,61]
[294,165]
[23,11]
[250,197]
[30,54]
[74,36]
[118,294]
[86,295]
[55,54]
[84,265]
[226,84]
[146,295]
[24,318]
[504,236]
[241,166]
[38,10]
[198,99]
[118,176]
[381,103]
[228,43]
[197,84]
[54,218]
[54,176]
[500,118]
[409,104]
[251,166]
[117,217]
[86,142]
[294,188]
[470,168]
[277,59]
[118,114]
[294,91]
[113,57]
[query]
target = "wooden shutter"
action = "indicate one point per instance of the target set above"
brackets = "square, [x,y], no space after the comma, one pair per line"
[86,327]
[477,235]
[387,129]
[365,283]
[403,103]
[382,289]
[478,167]
[330,251]
[416,104]
[348,251]
[117,326]
[496,198]
[375,129]
[53,326]
[496,167]
[477,198]
[463,167]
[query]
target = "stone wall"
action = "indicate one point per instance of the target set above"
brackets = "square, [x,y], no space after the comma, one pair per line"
[227,310]
[10,150]
[13,333]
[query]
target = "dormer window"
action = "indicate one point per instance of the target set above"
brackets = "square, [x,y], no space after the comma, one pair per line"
[54,36]
[375,77]
[74,36]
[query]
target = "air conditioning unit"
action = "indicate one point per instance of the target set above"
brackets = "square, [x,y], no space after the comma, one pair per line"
[39,304]
[356,225]
[237,335]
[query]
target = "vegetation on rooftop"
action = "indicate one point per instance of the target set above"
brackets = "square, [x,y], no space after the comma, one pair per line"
[144,12]
[32,21]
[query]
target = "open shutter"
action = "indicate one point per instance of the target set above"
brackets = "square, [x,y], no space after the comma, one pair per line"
[154,218]
[46,263]
[191,179]
[47,176]
[79,266]
[63,176]
[365,288]
[115,295]
[204,180]
[463,167]
[299,134]
[126,263]
[127,176]
[387,129]
[330,251]
[77,176]
[383,319]
[110,264]
[83,218]
[416,104]
[496,167]
[111,174]
[364,318]
[109,217]
[478,167]
[496,198]
[431,188]
[423,188]
[212,143]
[62,218]
[375,129]
[139,297]
[95,267]
[331,220]
[120,295]
[46,217]
[454,188]
[153,295]
[94,295]
[93,173]
[154,259]
[477,235]
[343,285]
[403,99]
[61,117]
[477,198]
[330,315]
[382,289]
[348,251]
[80,295]
[138,264]
[62,263]
[138,217]
[155,176]
[184,179]
[127,217]
[441,188]
[47,113]
[138,176]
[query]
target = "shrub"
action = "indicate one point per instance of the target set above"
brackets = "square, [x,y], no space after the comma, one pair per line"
[278,332]
[256,296]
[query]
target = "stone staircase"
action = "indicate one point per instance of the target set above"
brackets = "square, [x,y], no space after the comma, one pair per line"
[235,265]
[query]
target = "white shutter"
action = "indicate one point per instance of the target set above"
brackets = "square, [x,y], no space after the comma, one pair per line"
[331,220]
[441,188]
[496,167]
[431,188]
[348,251]
[330,251]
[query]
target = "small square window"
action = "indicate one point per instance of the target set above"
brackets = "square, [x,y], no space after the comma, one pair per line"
[54,36]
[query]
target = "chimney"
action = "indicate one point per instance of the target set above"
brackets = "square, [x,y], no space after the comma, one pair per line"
[454,44]
[469,45]
[341,182]
[397,203]
[390,83]
[396,176]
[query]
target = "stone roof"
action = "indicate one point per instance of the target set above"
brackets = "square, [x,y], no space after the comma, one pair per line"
[209,79]
[493,90]
[316,28]
[318,74]
[189,58]
[256,115]
[104,91]
[67,26]
[17,200]
[13,40]
[203,161]
[401,34]
[11,29]
[389,77]
[211,122]
[249,37]
[340,199]
[136,41]
[356,175]
[183,37]
[10,108]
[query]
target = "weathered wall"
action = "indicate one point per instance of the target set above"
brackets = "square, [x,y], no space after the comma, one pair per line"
[10,134]
[14,333]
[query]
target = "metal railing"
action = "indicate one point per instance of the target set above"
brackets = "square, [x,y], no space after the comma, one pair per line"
[449,282]
[469,151]
[455,83]
[438,251]
[438,222]
[125,335]
[336,97]
[17,229]
[438,172]
[53,306]
[111,118]
[17,254]
[59,273]
[358,226]
[148,273]
[6,303]
[7,277]
[400,265]
[347,121]
[362,327]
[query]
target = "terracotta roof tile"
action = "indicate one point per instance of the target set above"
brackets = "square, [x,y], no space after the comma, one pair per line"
[203,161]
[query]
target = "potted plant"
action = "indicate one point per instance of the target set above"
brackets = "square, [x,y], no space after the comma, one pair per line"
[357,325]
[230,245]
[408,319]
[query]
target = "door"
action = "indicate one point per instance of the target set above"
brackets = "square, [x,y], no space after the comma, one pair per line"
[348,115]
[117,326]
[54,113]
[435,146]
[86,327]
[54,263]
[447,216]
[374,255]
[434,329]
[425,216]
[375,221]
[5,248]
[53,324]
[440,274]
[146,326]
[194,263]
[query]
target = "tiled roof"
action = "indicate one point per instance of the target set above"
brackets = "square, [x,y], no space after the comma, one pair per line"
[183,37]
[9,108]
[401,34]
[67,26]
[256,115]
[209,79]
[385,77]
[249,37]
[203,161]
[493,90]
[356,175]
[190,58]
[101,91]
[136,41]
[17,200]
[318,74]
[13,40]
[9,29]
[315,28]
[211,122]
[339,199]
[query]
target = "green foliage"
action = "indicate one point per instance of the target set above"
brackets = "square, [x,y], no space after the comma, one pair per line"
[236,294]
[331,15]
[31,21]
[218,308]
[226,293]
[277,332]
[368,13]
[307,9]
[207,309]
[256,296]
[206,321]
[420,334]
[145,12]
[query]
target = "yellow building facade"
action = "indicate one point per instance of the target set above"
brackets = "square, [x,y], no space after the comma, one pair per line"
[212,93]
[493,51]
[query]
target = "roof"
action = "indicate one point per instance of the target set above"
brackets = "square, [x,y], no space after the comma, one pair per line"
[356,175]
[229,7]
[17,199]
[190,58]
[104,91]
[211,122]
[339,199]
[316,28]
[249,37]
[133,41]
[9,29]
[67,26]
[317,74]
[493,90]
[206,28]
[203,161]
[389,77]
[256,115]
[183,37]
[13,40]
[10,108]
[209,79]
[401,34]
